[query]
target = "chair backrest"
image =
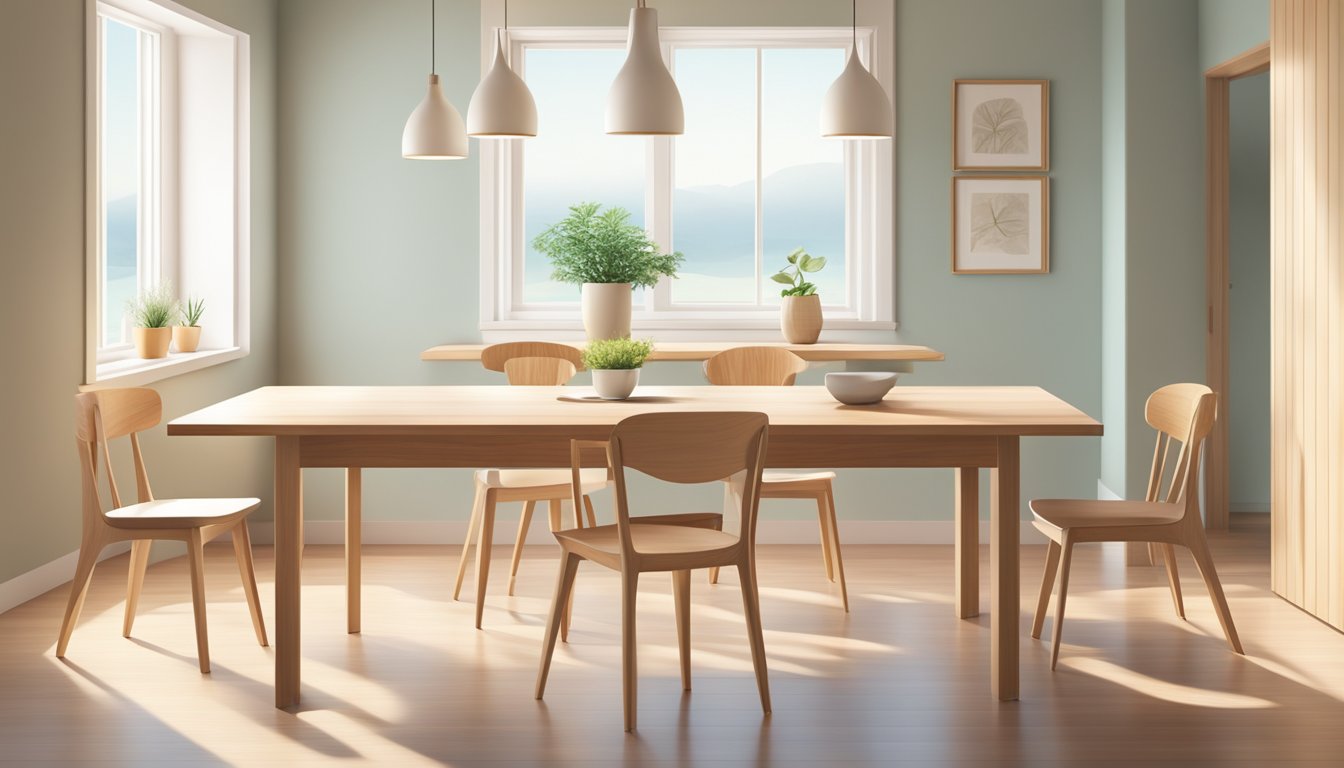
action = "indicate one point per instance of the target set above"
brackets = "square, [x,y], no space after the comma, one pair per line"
[538,371]
[690,448]
[754,366]
[1185,413]
[496,356]
[104,415]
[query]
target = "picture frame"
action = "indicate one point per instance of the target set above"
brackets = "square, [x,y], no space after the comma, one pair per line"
[1000,225]
[1000,125]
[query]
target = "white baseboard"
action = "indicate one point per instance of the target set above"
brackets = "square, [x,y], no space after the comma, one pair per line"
[45,578]
[25,587]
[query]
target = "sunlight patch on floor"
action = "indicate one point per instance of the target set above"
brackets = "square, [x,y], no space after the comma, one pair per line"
[1164,689]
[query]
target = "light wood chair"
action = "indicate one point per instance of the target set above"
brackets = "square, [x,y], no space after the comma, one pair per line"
[535,364]
[678,448]
[771,367]
[1184,412]
[106,415]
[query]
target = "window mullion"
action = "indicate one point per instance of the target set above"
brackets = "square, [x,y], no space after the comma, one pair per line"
[760,229]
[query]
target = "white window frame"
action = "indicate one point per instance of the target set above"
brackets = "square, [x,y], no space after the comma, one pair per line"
[869,181]
[196,54]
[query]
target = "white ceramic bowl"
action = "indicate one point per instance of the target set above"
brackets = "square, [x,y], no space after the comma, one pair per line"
[860,387]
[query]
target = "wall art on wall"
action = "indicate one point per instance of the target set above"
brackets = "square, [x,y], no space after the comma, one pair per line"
[1000,224]
[1001,125]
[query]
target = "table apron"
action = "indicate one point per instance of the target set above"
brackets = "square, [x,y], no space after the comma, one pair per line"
[795,451]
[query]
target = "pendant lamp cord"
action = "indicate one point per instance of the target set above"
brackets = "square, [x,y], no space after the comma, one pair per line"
[433,28]
[854,22]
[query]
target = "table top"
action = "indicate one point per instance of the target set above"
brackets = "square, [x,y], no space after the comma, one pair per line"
[537,411]
[703,350]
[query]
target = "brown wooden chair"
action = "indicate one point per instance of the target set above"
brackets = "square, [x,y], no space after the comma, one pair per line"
[772,367]
[535,364]
[1184,412]
[677,448]
[106,415]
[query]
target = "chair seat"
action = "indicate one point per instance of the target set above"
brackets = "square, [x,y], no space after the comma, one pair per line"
[180,513]
[590,480]
[1092,513]
[652,536]
[778,477]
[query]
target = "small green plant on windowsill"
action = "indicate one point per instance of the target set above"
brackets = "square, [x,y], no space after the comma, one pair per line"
[187,332]
[191,312]
[800,263]
[152,314]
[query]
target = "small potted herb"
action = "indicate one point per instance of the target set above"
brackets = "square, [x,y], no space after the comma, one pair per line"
[152,314]
[615,365]
[187,332]
[800,312]
[609,257]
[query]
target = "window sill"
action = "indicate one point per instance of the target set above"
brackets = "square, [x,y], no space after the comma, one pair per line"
[136,372]
[673,329]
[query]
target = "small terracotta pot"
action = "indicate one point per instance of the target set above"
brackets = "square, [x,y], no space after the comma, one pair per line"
[186,337]
[800,319]
[606,310]
[152,343]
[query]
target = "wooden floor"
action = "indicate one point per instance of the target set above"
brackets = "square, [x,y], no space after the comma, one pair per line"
[897,682]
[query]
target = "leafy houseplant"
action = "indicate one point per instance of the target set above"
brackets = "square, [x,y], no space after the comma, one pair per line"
[187,332]
[609,257]
[800,311]
[152,313]
[615,364]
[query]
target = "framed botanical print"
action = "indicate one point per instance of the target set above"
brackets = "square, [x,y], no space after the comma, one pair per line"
[1000,225]
[1001,125]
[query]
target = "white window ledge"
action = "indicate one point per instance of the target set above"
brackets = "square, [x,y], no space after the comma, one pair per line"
[673,330]
[136,372]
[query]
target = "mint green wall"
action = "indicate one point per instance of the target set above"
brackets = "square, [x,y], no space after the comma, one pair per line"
[1114,149]
[1230,27]
[42,295]
[380,253]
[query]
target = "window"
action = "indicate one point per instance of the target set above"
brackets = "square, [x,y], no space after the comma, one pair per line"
[749,181]
[167,180]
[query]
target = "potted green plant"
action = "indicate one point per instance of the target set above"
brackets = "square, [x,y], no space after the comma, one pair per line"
[187,332]
[152,314]
[615,364]
[609,257]
[800,311]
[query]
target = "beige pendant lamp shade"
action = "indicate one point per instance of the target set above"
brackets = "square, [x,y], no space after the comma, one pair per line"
[644,100]
[502,106]
[435,130]
[856,106]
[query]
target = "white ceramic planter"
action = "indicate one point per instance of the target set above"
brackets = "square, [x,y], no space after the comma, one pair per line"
[615,384]
[606,310]
[800,319]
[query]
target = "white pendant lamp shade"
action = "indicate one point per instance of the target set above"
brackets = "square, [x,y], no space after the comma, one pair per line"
[434,130]
[502,106]
[856,106]
[644,100]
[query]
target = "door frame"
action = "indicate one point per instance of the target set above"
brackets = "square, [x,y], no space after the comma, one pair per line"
[1217,129]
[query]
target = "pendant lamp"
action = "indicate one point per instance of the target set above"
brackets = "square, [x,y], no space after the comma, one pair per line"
[855,106]
[434,130]
[502,106]
[644,100]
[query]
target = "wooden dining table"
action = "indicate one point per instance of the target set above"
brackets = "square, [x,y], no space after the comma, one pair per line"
[963,428]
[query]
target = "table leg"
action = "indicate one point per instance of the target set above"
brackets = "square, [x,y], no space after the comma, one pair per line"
[353,531]
[968,542]
[1005,600]
[288,553]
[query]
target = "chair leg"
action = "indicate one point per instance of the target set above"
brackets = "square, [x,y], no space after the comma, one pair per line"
[629,666]
[836,557]
[825,537]
[196,556]
[476,506]
[569,566]
[681,598]
[588,507]
[1173,578]
[751,608]
[135,579]
[89,550]
[1065,556]
[555,509]
[1200,549]
[732,503]
[242,551]
[1047,585]
[486,538]
[524,522]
